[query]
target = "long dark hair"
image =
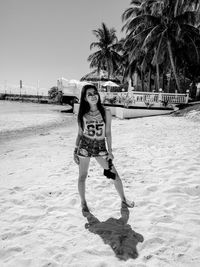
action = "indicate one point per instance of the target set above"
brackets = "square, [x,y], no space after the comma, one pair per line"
[85,107]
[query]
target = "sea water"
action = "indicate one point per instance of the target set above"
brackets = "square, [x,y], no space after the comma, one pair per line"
[22,116]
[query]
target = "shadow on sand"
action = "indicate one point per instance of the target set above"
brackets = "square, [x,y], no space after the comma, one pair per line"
[116,233]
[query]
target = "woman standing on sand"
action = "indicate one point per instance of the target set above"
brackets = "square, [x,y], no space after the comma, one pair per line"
[94,133]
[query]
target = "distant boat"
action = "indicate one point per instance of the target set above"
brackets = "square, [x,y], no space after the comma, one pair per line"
[136,104]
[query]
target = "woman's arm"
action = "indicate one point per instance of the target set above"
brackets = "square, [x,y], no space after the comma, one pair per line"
[108,133]
[80,132]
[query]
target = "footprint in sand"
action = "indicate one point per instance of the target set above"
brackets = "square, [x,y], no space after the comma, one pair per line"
[55,174]
[6,236]
[152,188]
[72,202]
[60,257]
[44,134]
[143,203]
[193,191]
[161,250]
[57,208]
[175,190]
[170,204]
[17,201]
[18,189]
[29,169]
[50,264]
[15,189]
[27,217]
[152,242]
[9,151]
[5,253]
[163,219]
[50,194]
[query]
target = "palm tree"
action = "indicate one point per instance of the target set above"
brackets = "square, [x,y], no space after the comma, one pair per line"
[139,60]
[167,25]
[106,57]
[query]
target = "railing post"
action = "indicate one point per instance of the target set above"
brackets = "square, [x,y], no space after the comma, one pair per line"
[160,95]
[187,96]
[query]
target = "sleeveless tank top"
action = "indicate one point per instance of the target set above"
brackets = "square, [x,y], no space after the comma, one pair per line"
[93,125]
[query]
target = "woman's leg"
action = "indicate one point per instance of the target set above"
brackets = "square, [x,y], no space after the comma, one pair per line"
[117,182]
[83,171]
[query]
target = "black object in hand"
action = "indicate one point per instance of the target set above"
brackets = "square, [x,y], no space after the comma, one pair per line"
[108,173]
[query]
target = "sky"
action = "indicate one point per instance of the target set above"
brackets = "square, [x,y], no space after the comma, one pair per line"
[44,40]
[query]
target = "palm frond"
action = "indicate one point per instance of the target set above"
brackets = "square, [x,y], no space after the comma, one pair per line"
[190,29]
[94,45]
[136,2]
[195,47]
[94,56]
[147,19]
[188,17]
[130,12]
[142,34]
[152,35]
[159,55]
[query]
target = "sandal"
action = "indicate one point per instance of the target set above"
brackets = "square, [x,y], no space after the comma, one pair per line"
[128,204]
[85,208]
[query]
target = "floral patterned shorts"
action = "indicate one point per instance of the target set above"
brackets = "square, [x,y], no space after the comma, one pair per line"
[92,147]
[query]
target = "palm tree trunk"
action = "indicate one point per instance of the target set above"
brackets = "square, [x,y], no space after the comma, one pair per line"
[136,80]
[163,82]
[149,87]
[173,65]
[108,69]
[169,84]
[184,81]
[132,81]
[157,77]
[157,67]
[142,80]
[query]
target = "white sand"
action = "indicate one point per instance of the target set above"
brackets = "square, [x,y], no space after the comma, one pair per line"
[41,221]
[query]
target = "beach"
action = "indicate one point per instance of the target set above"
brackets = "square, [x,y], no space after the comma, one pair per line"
[41,221]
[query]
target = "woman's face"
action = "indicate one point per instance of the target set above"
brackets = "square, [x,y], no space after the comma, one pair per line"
[92,96]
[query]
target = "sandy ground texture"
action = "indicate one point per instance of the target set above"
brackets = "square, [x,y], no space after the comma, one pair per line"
[41,221]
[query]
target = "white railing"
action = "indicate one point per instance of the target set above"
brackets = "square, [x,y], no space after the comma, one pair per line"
[175,98]
[128,98]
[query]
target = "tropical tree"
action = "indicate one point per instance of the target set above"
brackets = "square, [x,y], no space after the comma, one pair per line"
[53,92]
[106,57]
[139,61]
[164,27]
[55,95]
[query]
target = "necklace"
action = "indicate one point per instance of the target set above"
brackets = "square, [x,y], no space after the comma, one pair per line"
[93,113]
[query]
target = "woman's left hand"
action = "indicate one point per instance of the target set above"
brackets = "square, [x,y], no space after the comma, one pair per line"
[76,158]
[110,156]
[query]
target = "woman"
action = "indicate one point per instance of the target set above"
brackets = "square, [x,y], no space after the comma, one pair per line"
[94,133]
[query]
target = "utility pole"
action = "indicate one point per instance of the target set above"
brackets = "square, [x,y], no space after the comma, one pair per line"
[38,82]
[5,86]
[20,86]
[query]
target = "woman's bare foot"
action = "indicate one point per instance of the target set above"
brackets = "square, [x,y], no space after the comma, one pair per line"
[84,207]
[128,203]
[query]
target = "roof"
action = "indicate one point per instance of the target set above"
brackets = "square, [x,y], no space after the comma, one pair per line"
[101,76]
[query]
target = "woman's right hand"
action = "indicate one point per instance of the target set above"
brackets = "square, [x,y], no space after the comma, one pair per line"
[76,158]
[110,156]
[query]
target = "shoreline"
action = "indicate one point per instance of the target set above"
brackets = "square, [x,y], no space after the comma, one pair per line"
[34,131]
[19,120]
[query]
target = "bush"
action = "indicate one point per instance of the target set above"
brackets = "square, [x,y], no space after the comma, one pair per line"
[55,95]
[2,96]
